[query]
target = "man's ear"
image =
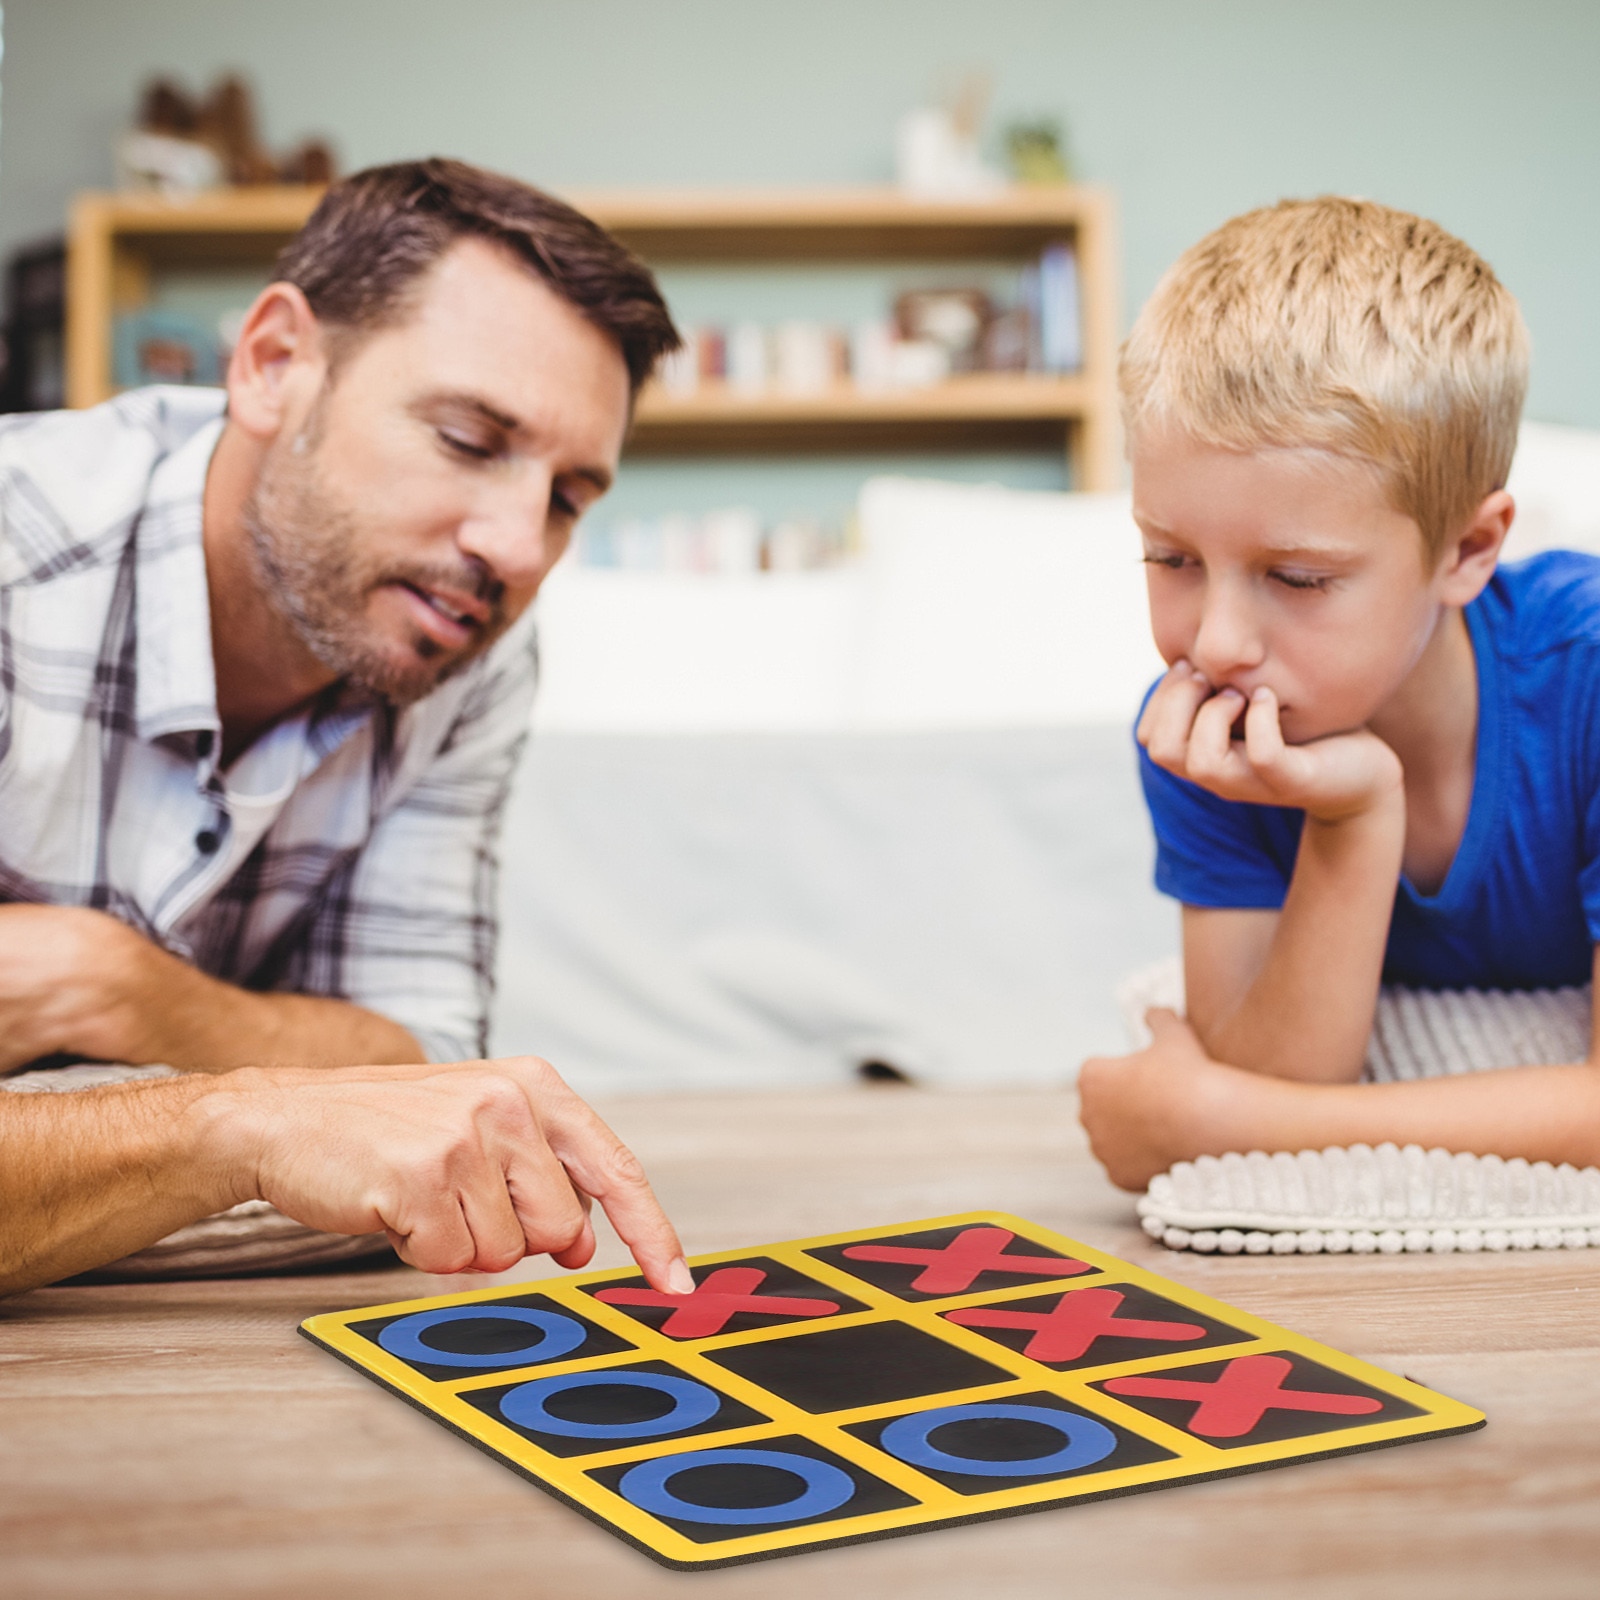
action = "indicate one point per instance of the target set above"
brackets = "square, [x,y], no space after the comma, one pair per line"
[1470,558]
[278,363]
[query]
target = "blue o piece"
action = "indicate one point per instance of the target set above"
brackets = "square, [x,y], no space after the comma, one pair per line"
[692,1404]
[826,1487]
[552,1336]
[1088,1441]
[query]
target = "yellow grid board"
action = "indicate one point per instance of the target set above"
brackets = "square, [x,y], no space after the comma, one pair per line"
[1054,1385]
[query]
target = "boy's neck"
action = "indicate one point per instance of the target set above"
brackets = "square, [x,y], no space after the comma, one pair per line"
[1431,723]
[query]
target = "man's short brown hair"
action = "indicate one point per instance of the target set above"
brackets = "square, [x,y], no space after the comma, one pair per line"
[1345,326]
[375,234]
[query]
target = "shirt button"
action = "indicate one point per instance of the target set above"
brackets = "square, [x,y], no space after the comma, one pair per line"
[208,841]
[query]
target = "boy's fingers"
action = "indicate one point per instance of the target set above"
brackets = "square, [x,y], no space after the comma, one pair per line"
[1176,673]
[1263,735]
[1211,753]
[1170,717]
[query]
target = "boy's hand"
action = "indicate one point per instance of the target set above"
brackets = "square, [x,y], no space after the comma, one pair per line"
[1188,730]
[1168,1102]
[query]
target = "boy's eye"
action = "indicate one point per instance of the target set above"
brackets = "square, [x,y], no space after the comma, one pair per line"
[1170,560]
[1302,580]
[563,507]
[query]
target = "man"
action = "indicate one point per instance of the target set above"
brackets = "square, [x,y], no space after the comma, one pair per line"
[262,687]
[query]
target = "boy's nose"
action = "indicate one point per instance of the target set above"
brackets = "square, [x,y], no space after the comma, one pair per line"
[1228,641]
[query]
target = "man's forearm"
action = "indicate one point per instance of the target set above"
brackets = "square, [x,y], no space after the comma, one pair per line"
[162,1009]
[87,1178]
[1308,1013]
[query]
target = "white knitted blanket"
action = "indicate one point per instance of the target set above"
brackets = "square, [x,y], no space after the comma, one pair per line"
[251,1238]
[1362,1199]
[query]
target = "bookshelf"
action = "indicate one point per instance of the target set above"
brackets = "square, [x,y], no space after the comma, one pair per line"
[117,243]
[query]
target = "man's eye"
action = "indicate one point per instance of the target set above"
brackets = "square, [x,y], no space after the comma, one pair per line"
[464,447]
[1302,580]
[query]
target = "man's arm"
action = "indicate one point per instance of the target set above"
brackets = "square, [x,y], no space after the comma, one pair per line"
[466,1167]
[1288,993]
[1173,1102]
[81,983]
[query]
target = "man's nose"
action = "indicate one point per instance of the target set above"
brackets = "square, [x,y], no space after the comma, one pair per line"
[508,530]
[1228,641]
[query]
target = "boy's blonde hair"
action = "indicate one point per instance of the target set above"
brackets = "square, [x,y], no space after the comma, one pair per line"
[1344,326]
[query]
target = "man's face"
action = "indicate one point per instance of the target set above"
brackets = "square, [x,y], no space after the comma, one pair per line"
[1287,568]
[406,516]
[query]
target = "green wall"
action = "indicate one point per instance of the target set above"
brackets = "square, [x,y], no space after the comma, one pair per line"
[1486,116]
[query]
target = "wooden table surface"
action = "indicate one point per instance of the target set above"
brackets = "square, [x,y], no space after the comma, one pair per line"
[180,1439]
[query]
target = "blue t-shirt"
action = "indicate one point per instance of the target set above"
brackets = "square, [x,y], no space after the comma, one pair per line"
[1520,906]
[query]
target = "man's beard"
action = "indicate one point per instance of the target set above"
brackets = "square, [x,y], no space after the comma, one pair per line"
[307,551]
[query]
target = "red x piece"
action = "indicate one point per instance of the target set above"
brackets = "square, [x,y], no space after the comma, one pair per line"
[725,1293]
[1072,1325]
[1248,1388]
[957,1266]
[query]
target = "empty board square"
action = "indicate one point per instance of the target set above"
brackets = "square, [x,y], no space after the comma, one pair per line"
[729,1297]
[1257,1399]
[1095,1326]
[870,1363]
[524,1330]
[935,1263]
[763,1486]
[607,1408]
[981,1446]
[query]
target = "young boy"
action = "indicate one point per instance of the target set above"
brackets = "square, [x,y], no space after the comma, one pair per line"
[1375,758]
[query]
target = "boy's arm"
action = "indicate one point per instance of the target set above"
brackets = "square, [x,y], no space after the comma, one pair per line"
[1173,1102]
[1288,993]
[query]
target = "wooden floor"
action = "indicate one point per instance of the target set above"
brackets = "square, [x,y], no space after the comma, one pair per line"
[181,1440]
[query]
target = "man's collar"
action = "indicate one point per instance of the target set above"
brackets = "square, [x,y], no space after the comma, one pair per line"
[176,689]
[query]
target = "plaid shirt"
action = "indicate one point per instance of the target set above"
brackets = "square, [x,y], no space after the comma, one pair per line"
[350,852]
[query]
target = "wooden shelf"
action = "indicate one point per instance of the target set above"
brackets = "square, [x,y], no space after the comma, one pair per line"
[118,241]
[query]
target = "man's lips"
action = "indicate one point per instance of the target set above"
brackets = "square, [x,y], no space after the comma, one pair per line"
[445,615]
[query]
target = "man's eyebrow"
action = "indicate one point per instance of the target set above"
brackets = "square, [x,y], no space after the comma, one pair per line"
[470,402]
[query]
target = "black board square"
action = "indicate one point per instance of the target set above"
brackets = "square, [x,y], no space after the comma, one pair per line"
[980,1447]
[1095,1326]
[729,1297]
[950,1261]
[522,1330]
[1235,1413]
[755,1477]
[871,1363]
[610,1408]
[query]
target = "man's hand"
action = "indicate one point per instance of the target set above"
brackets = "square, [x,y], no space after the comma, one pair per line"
[1168,1102]
[468,1167]
[81,982]
[1188,730]
[66,980]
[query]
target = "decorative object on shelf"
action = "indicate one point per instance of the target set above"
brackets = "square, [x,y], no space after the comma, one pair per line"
[728,542]
[164,347]
[1035,152]
[954,319]
[936,147]
[182,146]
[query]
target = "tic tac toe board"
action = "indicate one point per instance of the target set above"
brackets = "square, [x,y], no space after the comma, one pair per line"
[868,1384]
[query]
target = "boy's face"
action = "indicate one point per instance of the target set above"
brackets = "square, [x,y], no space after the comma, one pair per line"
[1287,568]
